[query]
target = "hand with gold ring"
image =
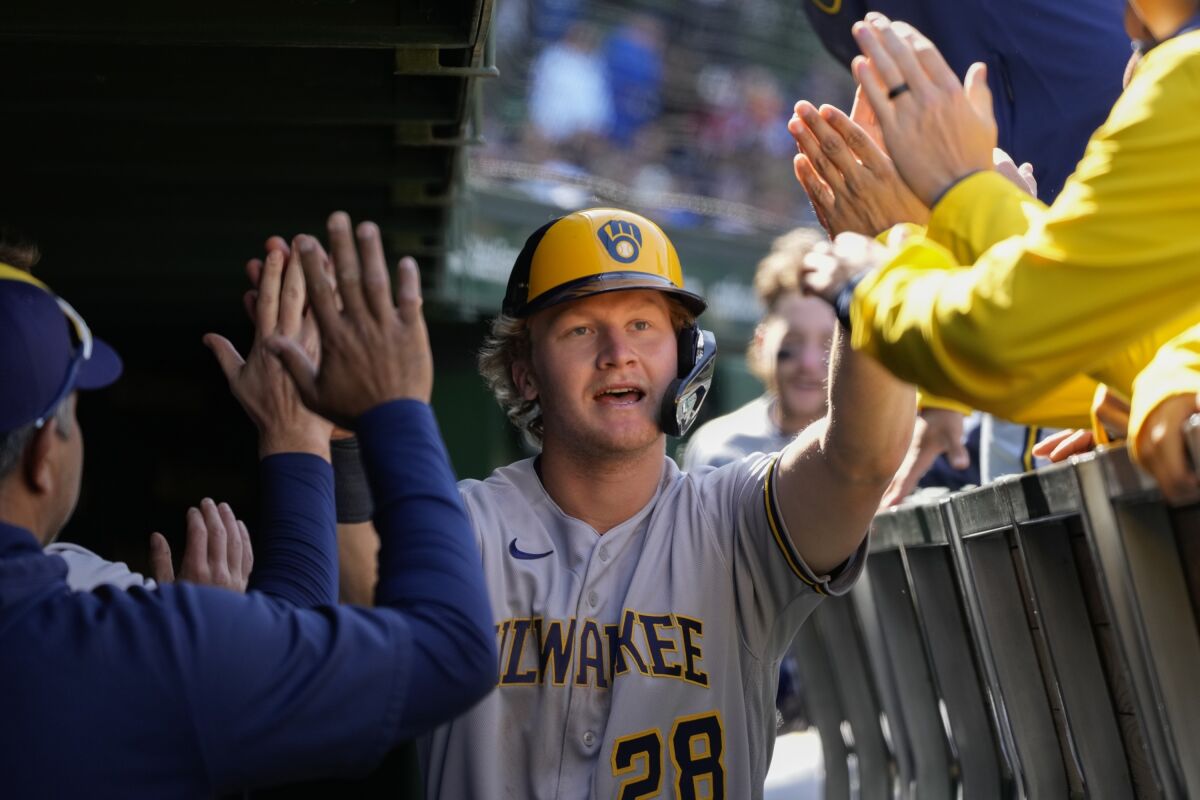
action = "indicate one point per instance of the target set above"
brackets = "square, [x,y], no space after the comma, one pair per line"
[937,131]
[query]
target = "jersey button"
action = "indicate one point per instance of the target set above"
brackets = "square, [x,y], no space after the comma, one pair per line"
[589,738]
[604,554]
[593,599]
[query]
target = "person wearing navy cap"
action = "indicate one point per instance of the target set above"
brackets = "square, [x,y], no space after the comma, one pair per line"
[188,690]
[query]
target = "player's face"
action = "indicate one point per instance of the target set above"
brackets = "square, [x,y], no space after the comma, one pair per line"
[600,367]
[797,342]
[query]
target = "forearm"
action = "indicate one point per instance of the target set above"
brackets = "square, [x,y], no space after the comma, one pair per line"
[870,419]
[358,563]
[429,562]
[296,549]
[832,477]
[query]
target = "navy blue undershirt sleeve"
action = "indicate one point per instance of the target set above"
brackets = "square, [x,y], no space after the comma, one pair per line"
[296,546]
[429,563]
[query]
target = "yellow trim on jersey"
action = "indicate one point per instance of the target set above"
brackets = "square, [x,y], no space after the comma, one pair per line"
[11,273]
[832,7]
[1031,438]
[774,522]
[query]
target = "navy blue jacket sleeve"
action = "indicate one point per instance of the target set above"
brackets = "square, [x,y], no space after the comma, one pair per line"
[191,690]
[296,546]
[429,563]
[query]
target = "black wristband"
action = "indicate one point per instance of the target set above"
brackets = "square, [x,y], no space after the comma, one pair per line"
[351,492]
[841,307]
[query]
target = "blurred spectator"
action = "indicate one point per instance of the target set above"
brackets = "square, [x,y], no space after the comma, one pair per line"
[633,57]
[569,91]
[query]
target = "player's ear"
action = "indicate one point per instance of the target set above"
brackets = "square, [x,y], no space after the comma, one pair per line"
[524,380]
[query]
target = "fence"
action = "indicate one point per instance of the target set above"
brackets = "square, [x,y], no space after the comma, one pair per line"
[1036,637]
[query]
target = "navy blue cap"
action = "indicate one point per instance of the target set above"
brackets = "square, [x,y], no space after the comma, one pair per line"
[46,351]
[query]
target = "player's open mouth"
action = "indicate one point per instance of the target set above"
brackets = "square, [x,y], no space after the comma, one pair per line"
[620,395]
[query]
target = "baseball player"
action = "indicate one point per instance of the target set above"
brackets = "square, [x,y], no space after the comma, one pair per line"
[641,612]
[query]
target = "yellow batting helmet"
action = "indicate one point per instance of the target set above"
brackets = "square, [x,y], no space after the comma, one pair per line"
[593,251]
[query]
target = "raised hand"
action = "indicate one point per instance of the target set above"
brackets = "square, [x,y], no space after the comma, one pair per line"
[937,431]
[830,266]
[1162,448]
[937,130]
[851,182]
[259,381]
[218,551]
[373,349]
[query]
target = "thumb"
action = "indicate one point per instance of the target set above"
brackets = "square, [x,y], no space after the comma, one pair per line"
[978,93]
[160,559]
[227,355]
[958,456]
[298,365]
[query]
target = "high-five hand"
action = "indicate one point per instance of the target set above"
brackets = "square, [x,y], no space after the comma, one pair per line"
[373,349]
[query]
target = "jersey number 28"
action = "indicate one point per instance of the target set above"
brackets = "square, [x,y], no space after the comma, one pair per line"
[696,750]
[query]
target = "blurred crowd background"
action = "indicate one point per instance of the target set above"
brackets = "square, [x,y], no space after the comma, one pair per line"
[682,108]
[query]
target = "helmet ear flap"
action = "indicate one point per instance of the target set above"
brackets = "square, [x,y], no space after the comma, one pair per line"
[686,394]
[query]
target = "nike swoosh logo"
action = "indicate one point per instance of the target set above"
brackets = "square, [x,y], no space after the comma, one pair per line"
[517,552]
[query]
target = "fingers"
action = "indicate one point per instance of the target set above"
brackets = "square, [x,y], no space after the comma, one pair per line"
[1162,450]
[408,290]
[277,243]
[377,287]
[195,553]
[899,42]
[817,190]
[345,263]
[227,355]
[320,292]
[979,95]
[863,114]
[250,304]
[867,36]
[832,143]
[928,57]
[254,271]
[812,147]
[233,548]
[298,365]
[958,455]
[247,551]
[161,567]
[266,315]
[1064,444]
[861,145]
[1026,171]
[218,543]
[292,298]
[875,87]
[917,462]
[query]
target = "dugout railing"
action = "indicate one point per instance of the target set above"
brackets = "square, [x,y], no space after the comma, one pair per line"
[1036,637]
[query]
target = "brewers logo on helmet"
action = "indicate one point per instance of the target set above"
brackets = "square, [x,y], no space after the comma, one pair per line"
[593,251]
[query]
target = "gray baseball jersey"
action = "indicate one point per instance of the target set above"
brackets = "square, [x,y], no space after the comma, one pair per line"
[735,435]
[641,663]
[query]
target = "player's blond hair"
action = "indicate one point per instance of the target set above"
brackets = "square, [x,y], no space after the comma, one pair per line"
[508,342]
[776,276]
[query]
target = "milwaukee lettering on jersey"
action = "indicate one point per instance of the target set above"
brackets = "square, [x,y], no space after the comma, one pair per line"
[536,651]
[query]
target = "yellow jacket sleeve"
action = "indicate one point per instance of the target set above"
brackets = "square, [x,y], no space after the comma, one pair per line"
[1117,255]
[1174,370]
